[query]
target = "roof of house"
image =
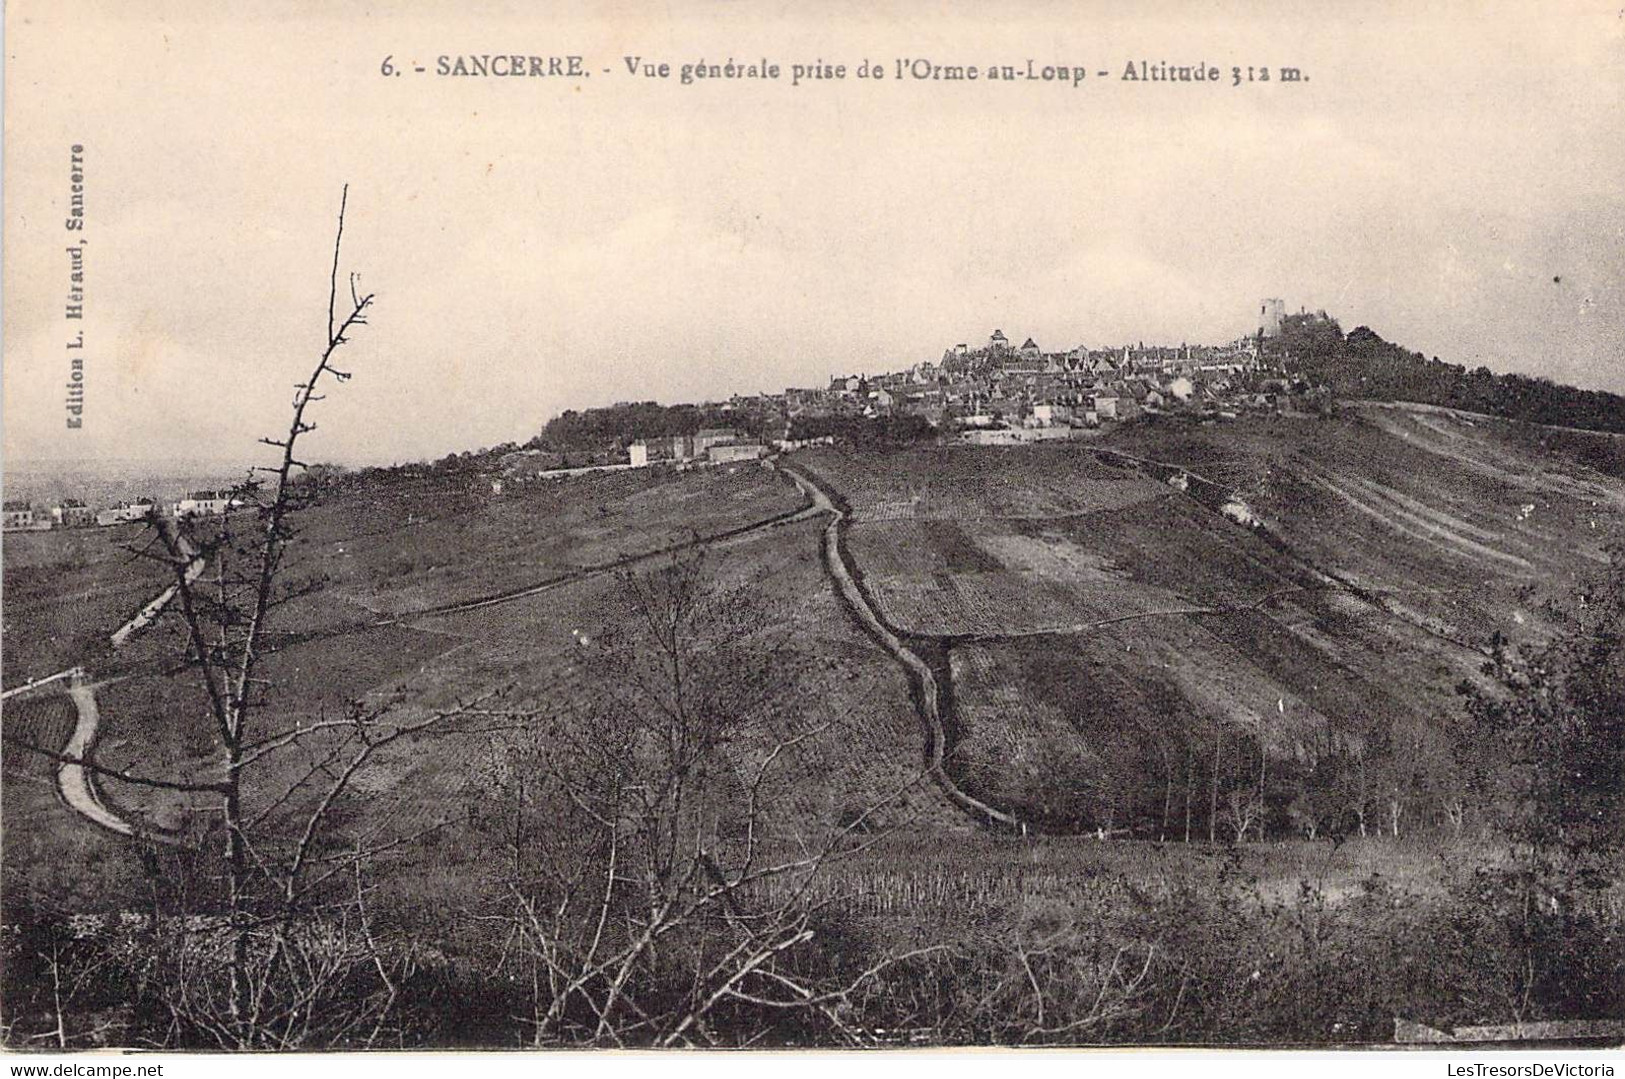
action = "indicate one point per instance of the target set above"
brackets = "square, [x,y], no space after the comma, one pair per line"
[1029,343]
[17,505]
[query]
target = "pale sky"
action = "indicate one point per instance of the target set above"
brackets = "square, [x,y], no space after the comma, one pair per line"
[1452,178]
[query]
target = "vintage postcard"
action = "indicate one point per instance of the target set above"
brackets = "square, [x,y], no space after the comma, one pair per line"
[813,526]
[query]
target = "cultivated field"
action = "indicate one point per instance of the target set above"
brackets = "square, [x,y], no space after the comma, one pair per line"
[66,591]
[1465,525]
[959,483]
[1093,636]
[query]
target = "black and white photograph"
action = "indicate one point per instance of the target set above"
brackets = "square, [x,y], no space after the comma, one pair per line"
[811,527]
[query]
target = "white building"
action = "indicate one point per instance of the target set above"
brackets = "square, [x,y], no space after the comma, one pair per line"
[72,513]
[203,504]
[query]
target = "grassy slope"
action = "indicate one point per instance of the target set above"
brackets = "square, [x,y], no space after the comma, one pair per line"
[66,591]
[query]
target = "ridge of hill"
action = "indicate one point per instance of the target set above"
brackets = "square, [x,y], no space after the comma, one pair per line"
[1363,365]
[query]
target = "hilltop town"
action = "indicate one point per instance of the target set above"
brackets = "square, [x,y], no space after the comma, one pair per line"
[995,393]
[1001,387]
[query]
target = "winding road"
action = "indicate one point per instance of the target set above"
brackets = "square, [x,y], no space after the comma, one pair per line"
[928,696]
[149,613]
[73,780]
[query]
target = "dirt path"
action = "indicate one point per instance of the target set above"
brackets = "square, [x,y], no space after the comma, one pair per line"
[927,696]
[73,780]
[37,683]
[152,610]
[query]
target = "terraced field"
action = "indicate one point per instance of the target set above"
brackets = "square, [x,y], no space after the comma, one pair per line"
[1121,628]
[1467,525]
[964,483]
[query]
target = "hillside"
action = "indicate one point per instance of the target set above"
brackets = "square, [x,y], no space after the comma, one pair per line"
[1116,646]
[1299,604]
[430,590]
[979,659]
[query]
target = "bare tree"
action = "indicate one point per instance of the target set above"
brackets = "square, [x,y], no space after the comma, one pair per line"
[283,953]
[662,885]
[1243,807]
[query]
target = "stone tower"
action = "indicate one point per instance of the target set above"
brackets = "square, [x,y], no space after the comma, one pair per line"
[1270,314]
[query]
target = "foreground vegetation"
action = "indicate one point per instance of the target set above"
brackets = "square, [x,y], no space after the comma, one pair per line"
[1130,944]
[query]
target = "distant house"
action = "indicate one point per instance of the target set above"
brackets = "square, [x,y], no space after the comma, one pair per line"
[1103,363]
[203,504]
[1029,350]
[18,515]
[135,510]
[1106,406]
[638,453]
[73,513]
